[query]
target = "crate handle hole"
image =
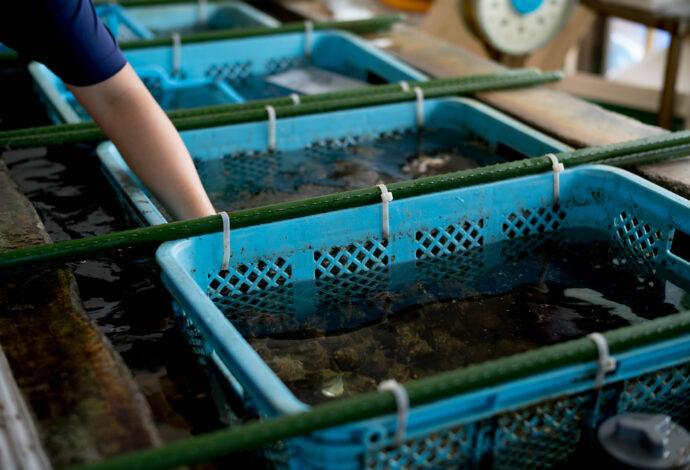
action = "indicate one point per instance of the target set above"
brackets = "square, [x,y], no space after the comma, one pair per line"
[680,245]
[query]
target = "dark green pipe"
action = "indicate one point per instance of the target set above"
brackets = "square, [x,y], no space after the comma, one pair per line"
[471,80]
[370,25]
[136,3]
[365,26]
[202,448]
[647,150]
[81,132]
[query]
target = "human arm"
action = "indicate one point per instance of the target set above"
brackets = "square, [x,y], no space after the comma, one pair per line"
[68,37]
[147,140]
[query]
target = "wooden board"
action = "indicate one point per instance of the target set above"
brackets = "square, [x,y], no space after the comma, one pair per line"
[569,119]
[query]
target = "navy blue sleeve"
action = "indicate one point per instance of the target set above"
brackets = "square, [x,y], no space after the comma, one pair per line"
[65,35]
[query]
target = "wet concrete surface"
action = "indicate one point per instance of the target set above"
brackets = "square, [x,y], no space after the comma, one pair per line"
[83,398]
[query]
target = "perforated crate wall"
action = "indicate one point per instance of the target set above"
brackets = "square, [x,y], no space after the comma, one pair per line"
[458,447]
[350,271]
[638,242]
[242,171]
[541,436]
[666,391]
[527,229]
[229,71]
[262,286]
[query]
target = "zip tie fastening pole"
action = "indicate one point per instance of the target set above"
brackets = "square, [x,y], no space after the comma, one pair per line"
[226,241]
[271,127]
[420,106]
[177,53]
[607,363]
[403,401]
[404,86]
[557,169]
[295,99]
[203,11]
[308,30]
[386,197]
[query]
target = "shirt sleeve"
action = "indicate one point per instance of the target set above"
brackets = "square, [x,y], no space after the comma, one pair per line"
[66,35]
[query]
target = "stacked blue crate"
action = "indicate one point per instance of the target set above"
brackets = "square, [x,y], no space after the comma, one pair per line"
[238,70]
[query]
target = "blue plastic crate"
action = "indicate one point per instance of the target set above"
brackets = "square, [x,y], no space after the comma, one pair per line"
[256,169]
[235,70]
[535,422]
[145,22]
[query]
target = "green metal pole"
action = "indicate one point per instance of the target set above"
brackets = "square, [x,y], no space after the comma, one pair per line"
[486,80]
[369,405]
[252,112]
[647,150]
[365,26]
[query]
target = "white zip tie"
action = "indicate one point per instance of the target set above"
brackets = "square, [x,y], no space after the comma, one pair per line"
[177,53]
[403,401]
[308,30]
[404,85]
[271,127]
[226,241]
[606,362]
[557,169]
[295,99]
[203,11]
[420,106]
[386,197]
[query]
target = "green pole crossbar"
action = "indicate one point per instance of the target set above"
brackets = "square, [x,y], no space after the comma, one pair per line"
[255,111]
[470,80]
[204,447]
[365,26]
[133,3]
[648,150]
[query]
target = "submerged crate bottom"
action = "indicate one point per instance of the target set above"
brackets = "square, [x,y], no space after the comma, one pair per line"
[536,409]
[246,180]
[418,319]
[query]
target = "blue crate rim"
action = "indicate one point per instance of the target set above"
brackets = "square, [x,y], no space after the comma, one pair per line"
[213,325]
[46,80]
[128,183]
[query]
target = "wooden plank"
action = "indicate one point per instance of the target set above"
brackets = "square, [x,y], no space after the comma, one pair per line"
[569,119]
[598,88]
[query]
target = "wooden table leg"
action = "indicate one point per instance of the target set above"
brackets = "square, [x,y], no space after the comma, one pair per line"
[668,94]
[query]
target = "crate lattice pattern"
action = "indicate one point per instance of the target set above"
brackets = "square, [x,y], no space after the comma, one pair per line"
[638,243]
[352,270]
[542,435]
[192,336]
[282,64]
[248,278]
[230,72]
[450,239]
[528,222]
[446,449]
[244,172]
[665,391]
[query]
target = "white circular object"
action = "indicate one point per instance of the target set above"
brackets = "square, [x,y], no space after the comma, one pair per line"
[517,27]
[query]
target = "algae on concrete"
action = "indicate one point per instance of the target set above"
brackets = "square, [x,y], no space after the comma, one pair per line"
[83,398]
